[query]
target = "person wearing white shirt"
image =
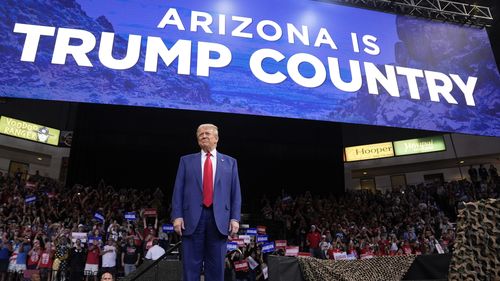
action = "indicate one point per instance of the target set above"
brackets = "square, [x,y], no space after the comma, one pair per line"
[155,252]
[109,257]
[324,246]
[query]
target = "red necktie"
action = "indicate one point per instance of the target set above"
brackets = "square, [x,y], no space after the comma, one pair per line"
[208,183]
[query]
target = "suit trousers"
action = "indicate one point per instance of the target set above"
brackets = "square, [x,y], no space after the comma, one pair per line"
[206,248]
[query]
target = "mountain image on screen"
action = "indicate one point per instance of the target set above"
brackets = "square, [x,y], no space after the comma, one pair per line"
[70,82]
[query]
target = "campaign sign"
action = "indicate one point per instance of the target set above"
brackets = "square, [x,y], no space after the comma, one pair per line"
[150,212]
[231,246]
[312,60]
[130,216]
[92,238]
[99,217]
[168,228]
[262,238]
[261,229]
[366,256]
[252,263]
[30,184]
[252,231]
[351,256]
[292,251]
[241,265]
[268,247]
[79,235]
[439,248]
[246,238]
[30,199]
[340,256]
[280,244]
[240,242]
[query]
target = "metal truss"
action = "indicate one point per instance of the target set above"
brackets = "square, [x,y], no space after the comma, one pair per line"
[443,10]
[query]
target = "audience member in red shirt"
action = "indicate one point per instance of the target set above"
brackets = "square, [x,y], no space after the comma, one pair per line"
[407,248]
[34,255]
[46,260]
[351,250]
[383,247]
[366,251]
[92,264]
[334,250]
[312,240]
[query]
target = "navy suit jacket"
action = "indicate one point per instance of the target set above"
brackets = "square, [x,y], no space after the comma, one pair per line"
[187,197]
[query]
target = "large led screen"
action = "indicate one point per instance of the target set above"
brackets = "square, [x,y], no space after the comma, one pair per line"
[297,59]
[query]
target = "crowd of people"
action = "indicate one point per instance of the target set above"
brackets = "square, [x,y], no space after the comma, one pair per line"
[77,233]
[253,260]
[51,231]
[417,219]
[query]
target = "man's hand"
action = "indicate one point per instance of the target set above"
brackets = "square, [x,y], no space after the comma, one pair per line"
[233,227]
[179,225]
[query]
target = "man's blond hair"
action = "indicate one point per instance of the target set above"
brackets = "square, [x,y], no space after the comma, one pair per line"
[210,126]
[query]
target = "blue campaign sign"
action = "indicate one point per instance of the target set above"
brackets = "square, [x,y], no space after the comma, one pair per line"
[231,246]
[99,217]
[130,216]
[312,60]
[262,238]
[168,228]
[92,238]
[30,199]
[252,231]
[268,247]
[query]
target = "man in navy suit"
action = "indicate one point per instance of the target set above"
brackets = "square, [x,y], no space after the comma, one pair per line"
[206,205]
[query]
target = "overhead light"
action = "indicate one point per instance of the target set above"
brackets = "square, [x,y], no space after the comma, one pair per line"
[39,158]
[364,173]
[461,161]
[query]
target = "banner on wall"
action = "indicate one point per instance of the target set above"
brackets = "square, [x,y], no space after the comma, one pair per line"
[29,131]
[368,151]
[313,60]
[421,145]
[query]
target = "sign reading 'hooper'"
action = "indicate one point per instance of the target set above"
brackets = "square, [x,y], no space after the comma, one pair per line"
[369,151]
